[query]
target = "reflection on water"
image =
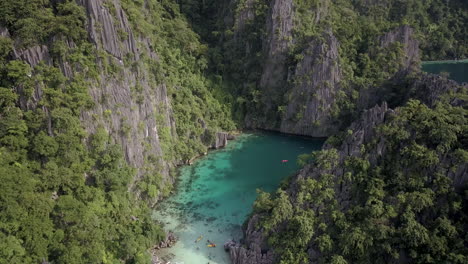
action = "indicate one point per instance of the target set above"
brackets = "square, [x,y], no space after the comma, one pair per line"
[216,193]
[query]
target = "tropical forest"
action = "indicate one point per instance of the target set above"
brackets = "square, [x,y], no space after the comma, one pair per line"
[233,131]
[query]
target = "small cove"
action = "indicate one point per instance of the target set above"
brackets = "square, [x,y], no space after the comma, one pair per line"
[214,196]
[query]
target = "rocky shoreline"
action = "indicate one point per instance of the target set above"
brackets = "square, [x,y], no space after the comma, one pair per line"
[168,242]
[221,141]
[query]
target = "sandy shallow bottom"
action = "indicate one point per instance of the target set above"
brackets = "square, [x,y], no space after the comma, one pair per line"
[215,194]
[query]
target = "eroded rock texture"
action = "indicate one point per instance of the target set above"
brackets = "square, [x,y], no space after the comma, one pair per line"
[362,132]
[129,103]
[255,247]
[301,95]
[316,83]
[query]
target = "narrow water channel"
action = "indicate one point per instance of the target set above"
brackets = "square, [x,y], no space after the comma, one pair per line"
[215,194]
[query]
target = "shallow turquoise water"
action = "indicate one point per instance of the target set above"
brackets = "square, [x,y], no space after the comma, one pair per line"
[215,194]
[458,70]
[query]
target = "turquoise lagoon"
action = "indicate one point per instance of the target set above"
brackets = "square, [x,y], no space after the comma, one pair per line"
[214,196]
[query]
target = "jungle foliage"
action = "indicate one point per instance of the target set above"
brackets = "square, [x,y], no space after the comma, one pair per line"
[198,98]
[404,207]
[238,50]
[63,193]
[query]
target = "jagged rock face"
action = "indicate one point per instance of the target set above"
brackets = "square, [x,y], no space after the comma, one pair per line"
[130,104]
[254,248]
[246,14]
[279,26]
[221,140]
[404,35]
[130,119]
[105,28]
[428,88]
[311,100]
[363,132]
[34,55]
[302,98]
[275,47]
[410,63]
[315,79]
[255,251]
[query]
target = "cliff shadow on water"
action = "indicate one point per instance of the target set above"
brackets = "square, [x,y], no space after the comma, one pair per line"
[215,194]
[101,99]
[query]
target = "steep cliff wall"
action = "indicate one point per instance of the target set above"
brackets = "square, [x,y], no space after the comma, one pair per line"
[312,99]
[279,30]
[131,99]
[335,186]
[406,37]
[308,82]
[400,44]
[255,247]
[130,119]
[128,101]
[296,98]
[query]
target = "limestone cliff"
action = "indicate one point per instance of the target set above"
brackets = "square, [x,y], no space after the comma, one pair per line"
[279,27]
[130,118]
[255,246]
[304,80]
[408,65]
[364,140]
[312,99]
[131,102]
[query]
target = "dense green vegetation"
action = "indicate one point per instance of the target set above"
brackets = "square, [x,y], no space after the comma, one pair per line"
[440,24]
[35,21]
[64,193]
[198,100]
[239,52]
[403,208]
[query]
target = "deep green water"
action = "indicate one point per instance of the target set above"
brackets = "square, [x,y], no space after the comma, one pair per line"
[215,194]
[457,70]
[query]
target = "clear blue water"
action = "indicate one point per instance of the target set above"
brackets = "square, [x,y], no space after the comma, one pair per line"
[215,194]
[457,70]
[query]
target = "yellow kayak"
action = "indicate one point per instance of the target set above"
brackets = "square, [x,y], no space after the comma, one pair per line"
[211,245]
[198,239]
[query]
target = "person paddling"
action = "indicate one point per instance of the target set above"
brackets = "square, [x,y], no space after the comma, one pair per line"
[210,244]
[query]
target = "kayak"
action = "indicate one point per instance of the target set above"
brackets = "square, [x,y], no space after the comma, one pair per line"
[198,239]
[211,245]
